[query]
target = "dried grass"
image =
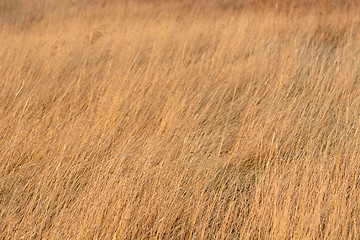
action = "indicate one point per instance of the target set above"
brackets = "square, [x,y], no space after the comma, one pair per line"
[142,119]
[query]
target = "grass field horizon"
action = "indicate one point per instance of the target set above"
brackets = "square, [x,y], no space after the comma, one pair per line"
[179,119]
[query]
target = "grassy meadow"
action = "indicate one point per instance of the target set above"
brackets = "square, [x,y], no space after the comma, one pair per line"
[219,119]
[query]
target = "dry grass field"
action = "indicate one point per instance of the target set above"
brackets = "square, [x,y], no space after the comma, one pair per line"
[219,119]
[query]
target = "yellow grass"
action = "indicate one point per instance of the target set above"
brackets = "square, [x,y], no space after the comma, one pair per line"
[179,119]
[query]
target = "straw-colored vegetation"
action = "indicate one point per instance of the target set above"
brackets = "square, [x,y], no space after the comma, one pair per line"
[179,119]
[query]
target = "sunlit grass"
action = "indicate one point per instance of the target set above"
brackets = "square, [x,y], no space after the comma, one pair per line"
[141,119]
